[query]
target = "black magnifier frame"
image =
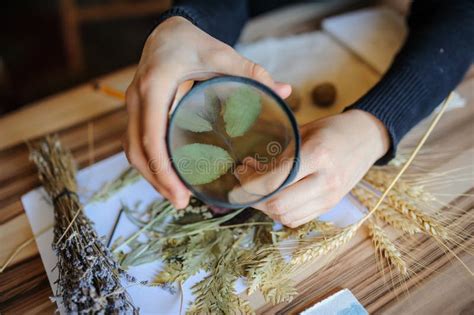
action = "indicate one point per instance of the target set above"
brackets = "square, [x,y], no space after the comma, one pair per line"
[294,126]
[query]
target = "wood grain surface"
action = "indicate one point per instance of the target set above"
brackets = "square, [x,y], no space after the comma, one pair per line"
[441,287]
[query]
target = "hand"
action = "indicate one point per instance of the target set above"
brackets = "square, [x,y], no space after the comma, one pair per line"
[175,54]
[336,152]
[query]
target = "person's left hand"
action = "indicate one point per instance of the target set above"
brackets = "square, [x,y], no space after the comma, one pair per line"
[336,152]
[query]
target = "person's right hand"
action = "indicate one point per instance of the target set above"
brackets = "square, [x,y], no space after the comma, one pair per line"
[175,54]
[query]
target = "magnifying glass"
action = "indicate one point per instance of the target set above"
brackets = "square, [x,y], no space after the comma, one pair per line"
[233,142]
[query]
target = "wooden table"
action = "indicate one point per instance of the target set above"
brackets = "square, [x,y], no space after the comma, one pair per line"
[91,124]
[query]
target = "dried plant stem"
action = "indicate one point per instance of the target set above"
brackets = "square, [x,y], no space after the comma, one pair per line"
[386,247]
[17,250]
[21,247]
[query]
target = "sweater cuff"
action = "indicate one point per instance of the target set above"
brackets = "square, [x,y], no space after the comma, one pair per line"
[184,12]
[395,101]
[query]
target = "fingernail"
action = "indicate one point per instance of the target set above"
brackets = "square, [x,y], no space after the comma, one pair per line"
[283,89]
[181,203]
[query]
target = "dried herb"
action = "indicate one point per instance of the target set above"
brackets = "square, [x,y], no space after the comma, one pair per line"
[227,249]
[89,277]
[215,294]
[129,176]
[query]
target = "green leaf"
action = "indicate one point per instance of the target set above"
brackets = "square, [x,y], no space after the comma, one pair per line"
[201,163]
[192,121]
[241,110]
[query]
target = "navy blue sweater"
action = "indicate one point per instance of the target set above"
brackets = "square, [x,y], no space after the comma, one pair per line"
[433,60]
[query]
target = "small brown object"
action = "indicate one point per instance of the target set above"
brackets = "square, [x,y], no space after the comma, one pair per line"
[324,94]
[294,100]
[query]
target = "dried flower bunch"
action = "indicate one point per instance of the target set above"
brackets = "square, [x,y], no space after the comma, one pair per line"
[89,276]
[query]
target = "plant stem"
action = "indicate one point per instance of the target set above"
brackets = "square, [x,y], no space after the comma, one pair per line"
[144,228]
[228,144]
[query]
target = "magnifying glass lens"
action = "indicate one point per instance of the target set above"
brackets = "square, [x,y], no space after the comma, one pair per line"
[233,142]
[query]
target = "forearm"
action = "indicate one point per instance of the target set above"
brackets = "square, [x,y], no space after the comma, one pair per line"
[438,51]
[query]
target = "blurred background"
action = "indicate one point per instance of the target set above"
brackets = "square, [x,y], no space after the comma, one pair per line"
[47,46]
[51,45]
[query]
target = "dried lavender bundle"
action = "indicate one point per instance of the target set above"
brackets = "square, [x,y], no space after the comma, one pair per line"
[89,278]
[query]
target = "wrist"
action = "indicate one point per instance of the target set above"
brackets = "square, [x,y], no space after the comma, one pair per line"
[373,130]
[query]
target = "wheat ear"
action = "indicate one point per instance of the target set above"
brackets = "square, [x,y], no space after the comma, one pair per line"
[397,220]
[328,245]
[385,212]
[386,247]
[423,220]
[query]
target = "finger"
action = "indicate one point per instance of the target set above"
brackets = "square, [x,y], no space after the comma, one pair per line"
[265,178]
[260,179]
[313,159]
[314,187]
[132,142]
[156,99]
[291,197]
[305,220]
[233,63]
[240,196]
[303,213]
[282,89]
[251,162]
[183,88]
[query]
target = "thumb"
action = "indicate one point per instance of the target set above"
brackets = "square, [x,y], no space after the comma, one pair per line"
[233,63]
[282,89]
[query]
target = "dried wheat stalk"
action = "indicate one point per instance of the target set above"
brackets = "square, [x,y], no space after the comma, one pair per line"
[386,247]
[398,221]
[303,231]
[386,213]
[423,220]
[380,178]
[315,248]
